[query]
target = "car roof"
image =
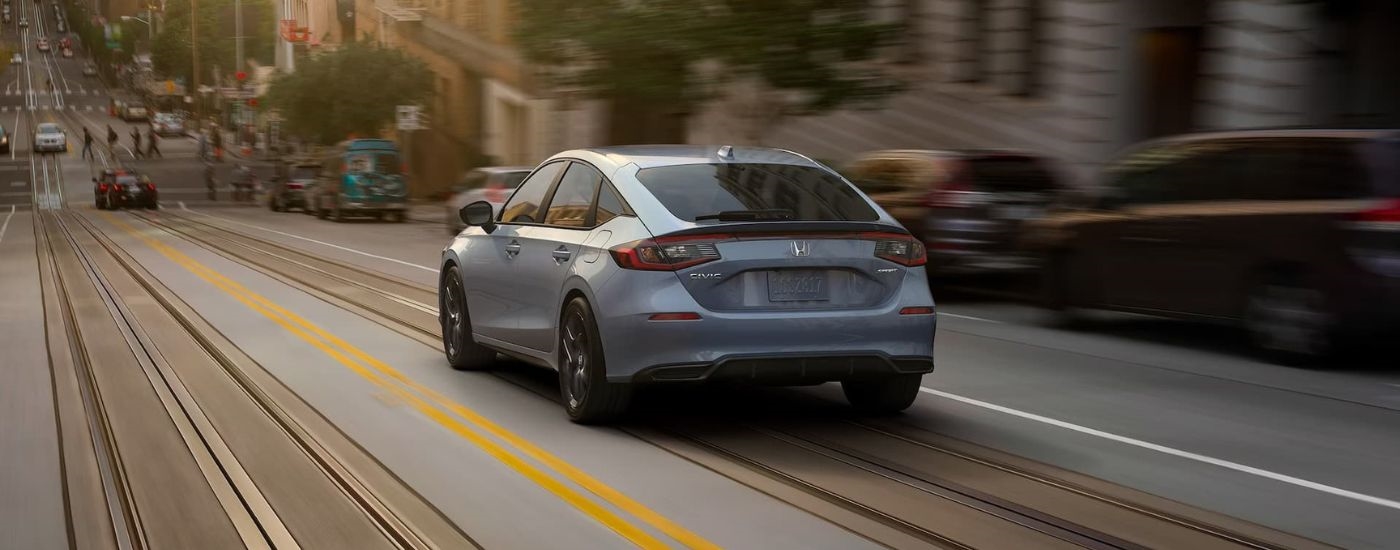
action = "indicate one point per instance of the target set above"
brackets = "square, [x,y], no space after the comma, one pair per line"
[609,159]
[500,169]
[366,144]
[1342,133]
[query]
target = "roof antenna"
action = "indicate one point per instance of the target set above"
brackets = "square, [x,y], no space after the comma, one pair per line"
[726,152]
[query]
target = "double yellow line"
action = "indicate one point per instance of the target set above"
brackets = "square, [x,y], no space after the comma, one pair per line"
[463,421]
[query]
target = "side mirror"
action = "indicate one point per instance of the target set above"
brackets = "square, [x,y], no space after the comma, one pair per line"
[480,214]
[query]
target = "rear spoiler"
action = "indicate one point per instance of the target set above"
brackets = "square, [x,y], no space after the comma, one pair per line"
[791,227]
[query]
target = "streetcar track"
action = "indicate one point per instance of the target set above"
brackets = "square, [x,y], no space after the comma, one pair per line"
[210,235]
[220,466]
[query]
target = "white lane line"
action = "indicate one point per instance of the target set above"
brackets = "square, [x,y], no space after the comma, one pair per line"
[1378,501]
[969,317]
[307,239]
[6,225]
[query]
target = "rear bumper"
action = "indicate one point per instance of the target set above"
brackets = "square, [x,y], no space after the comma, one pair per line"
[788,368]
[51,147]
[968,245]
[791,347]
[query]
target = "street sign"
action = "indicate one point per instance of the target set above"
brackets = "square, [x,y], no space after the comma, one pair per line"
[408,117]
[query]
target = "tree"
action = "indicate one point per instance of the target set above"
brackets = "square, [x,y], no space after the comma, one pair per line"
[667,56]
[350,90]
[171,51]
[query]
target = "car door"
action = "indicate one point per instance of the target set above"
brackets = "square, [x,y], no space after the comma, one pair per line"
[549,251]
[491,264]
[1165,256]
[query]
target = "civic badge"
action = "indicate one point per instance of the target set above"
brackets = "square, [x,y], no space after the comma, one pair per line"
[800,249]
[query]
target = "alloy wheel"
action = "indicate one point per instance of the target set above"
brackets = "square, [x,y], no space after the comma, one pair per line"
[575,345]
[453,326]
[1290,319]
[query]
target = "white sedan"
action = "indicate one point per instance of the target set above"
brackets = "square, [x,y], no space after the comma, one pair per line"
[49,137]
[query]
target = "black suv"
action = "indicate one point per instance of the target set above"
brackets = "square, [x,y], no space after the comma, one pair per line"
[1294,234]
[117,188]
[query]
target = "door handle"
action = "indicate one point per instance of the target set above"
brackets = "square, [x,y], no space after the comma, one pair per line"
[562,254]
[513,248]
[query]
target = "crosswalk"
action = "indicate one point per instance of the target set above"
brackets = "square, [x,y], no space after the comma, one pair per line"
[6,109]
[80,92]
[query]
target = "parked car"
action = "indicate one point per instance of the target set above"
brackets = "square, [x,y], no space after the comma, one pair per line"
[1292,234]
[4,140]
[492,184]
[89,69]
[67,53]
[291,193]
[62,26]
[361,177]
[17,59]
[124,188]
[8,18]
[968,207]
[49,137]
[133,111]
[24,22]
[638,265]
[167,124]
[42,44]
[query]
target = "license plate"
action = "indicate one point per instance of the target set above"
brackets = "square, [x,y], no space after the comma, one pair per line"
[797,286]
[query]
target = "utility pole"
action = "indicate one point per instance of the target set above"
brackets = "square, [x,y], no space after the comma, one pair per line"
[238,34]
[194,51]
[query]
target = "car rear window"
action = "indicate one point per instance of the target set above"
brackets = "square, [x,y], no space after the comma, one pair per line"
[810,193]
[1011,174]
[126,180]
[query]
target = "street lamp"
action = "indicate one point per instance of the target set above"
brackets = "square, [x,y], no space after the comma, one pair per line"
[150,29]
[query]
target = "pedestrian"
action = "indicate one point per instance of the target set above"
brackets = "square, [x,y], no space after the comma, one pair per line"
[217,136]
[203,146]
[136,151]
[153,145]
[87,143]
[111,139]
[209,180]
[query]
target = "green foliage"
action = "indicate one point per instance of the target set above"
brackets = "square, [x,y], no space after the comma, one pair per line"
[171,52]
[672,51]
[350,90]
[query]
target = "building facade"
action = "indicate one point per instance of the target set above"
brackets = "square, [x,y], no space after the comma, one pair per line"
[487,108]
[1078,80]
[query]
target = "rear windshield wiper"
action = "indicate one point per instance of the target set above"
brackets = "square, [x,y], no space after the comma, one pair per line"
[748,215]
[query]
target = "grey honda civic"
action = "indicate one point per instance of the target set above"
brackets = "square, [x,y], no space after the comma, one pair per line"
[627,266]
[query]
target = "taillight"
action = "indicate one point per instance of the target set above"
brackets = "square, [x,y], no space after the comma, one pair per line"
[151,187]
[1386,212]
[916,310]
[102,187]
[684,316]
[901,249]
[667,254]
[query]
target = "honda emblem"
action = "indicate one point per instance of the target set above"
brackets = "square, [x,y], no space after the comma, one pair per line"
[800,249]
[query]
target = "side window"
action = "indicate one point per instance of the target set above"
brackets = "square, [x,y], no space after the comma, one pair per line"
[609,205]
[524,205]
[1328,169]
[574,197]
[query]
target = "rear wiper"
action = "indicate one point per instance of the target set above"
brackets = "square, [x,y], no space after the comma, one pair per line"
[748,215]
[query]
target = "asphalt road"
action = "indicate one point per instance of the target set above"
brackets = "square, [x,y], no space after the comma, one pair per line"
[1175,409]
[1178,410]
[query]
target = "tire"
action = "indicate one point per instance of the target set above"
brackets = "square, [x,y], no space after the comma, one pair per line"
[1290,321]
[1055,295]
[339,214]
[321,211]
[462,352]
[400,216]
[885,395]
[273,204]
[379,216]
[588,396]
